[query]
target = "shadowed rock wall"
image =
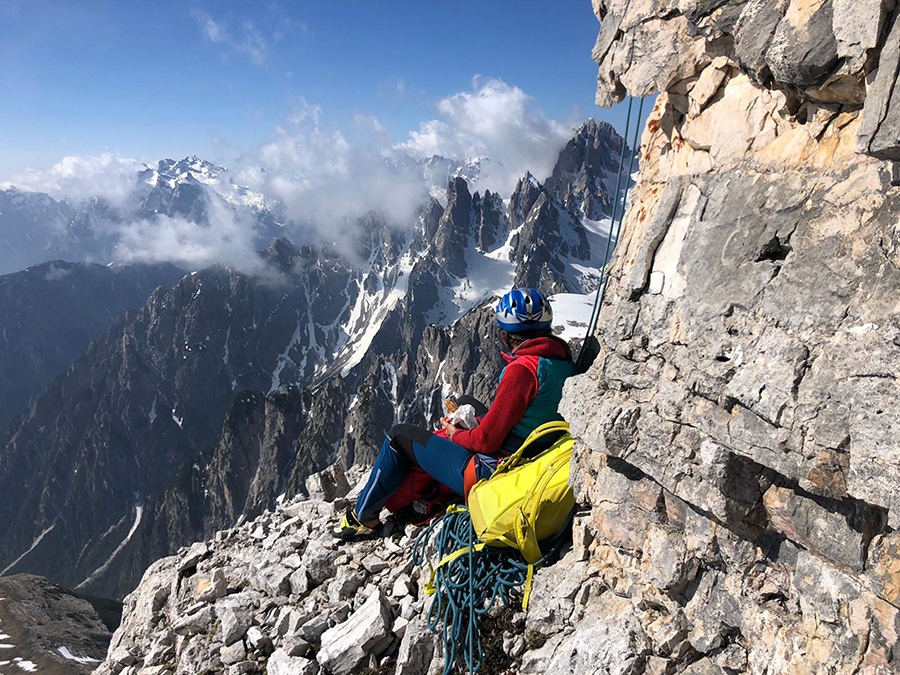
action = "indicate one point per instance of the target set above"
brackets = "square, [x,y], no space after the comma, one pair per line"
[738,429]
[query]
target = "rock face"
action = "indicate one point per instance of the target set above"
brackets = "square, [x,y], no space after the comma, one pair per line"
[738,437]
[50,313]
[584,178]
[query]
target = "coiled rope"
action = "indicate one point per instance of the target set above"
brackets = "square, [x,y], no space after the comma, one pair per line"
[468,585]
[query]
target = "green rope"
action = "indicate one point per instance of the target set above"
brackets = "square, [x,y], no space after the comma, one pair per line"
[470,585]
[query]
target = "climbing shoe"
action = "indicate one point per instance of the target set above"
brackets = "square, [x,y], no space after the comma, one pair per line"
[351,527]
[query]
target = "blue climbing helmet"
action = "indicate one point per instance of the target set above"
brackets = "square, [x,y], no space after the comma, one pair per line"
[524,309]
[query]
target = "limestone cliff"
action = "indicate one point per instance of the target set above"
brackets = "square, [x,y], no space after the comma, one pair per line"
[738,429]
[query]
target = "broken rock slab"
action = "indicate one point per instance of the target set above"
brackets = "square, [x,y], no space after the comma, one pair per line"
[282,664]
[347,646]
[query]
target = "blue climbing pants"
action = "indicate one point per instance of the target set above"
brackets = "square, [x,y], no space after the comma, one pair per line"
[407,445]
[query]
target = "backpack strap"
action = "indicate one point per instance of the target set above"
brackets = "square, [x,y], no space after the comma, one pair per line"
[546,428]
[526,537]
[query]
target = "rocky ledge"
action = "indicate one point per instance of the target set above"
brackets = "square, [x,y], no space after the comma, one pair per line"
[280,595]
[47,629]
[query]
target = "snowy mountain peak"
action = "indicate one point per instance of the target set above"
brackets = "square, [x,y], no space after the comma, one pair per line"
[190,167]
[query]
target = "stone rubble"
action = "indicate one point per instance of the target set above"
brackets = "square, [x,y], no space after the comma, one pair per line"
[281,595]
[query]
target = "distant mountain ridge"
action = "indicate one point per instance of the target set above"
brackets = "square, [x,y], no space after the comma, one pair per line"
[51,312]
[228,390]
[36,228]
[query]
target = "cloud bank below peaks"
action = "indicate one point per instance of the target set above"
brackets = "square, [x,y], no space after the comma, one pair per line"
[325,182]
[107,176]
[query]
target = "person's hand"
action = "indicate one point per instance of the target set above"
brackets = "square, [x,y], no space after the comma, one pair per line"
[449,427]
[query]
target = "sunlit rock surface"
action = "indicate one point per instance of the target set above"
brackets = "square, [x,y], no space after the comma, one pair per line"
[738,432]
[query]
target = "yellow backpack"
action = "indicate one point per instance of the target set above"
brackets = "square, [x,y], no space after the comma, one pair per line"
[521,504]
[524,502]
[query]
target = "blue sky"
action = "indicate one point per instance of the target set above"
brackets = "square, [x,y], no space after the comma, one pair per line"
[220,80]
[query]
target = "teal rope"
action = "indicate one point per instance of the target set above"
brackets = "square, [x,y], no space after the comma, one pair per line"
[595,311]
[637,131]
[471,585]
[614,229]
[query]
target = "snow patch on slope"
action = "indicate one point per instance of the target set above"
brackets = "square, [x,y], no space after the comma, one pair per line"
[571,314]
[30,549]
[369,312]
[138,514]
[66,654]
[487,275]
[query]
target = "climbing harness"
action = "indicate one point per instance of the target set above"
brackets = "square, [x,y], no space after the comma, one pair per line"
[614,227]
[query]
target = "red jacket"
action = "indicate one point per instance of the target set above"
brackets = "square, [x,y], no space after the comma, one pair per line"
[517,390]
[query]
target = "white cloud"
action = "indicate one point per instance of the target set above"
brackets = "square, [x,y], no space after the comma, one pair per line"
[248,41]
[108,176]
[325,181]
[252,43]
[212,30]
[230,241]
[494,120]
[325,177]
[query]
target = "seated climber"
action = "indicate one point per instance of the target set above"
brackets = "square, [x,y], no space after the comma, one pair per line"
[527,396]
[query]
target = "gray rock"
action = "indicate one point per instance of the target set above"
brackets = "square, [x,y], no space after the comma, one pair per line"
[280,663]
[367,632]
[258,641]
[299,581]
[198,622]
[312,630]
[703,667]
[841,537]
[197,552]
[310,509]
[879,135]
[319,563]
[328,485]
[609,633]
[374,564]
[400,626]
[156,670]
[401,586]
[161,649]
[233,653]
[216,587]
[345,584]
[513,645]
[289,621]
[803,50]
[274,578]
[234,623]
[122,656]
[416,650]
[295,646]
